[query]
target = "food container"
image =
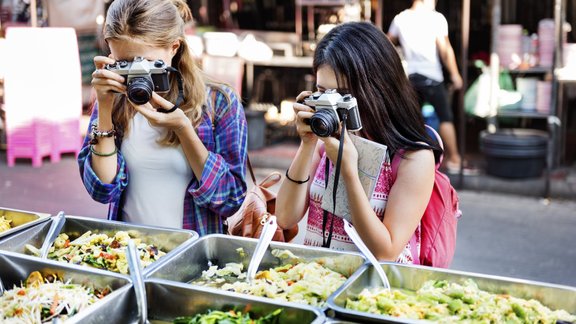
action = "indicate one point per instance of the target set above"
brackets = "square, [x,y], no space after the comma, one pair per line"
[218,249]
[167,239]
[15,268]
[21,220]
[168,300]
[412,277]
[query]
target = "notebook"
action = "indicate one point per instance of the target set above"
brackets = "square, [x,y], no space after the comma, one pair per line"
[371,156]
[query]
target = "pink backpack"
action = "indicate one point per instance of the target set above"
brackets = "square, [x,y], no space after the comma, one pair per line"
[440,220]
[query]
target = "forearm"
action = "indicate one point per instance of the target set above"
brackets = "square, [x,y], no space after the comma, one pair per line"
[105,167]
[292,198]
[373,232]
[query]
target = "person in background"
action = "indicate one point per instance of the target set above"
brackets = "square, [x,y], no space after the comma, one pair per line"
[357,58]
[156,165]
[422,33]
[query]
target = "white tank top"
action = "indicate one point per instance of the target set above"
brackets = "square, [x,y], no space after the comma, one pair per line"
[158,177]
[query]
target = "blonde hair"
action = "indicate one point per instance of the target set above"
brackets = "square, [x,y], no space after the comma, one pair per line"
[158,23]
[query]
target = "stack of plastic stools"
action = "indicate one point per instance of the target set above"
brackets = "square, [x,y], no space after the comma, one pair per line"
[29,141]
[68,139]
[43,101]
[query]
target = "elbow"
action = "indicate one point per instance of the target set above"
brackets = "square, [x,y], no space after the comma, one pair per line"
[283,219]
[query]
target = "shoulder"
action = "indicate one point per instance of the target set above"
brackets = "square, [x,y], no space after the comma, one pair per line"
[419,162]
[221,94]
[223,99]
[439,17]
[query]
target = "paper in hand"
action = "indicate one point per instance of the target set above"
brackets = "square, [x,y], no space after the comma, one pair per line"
[371,156]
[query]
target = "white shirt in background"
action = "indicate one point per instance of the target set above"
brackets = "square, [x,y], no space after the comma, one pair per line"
[417,31]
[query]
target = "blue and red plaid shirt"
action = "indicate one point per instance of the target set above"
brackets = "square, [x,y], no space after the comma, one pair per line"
[209,200]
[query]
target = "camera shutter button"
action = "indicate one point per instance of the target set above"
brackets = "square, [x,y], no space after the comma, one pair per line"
[123,64]
[159,63]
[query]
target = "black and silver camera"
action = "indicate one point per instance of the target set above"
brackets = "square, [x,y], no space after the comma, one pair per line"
[330,108]
[142,77]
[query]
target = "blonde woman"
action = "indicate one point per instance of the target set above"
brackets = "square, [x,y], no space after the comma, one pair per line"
[167,148]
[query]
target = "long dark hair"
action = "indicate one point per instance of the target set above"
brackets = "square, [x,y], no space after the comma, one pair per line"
[364,59]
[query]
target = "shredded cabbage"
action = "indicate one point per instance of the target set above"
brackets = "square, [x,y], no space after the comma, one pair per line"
[40,302]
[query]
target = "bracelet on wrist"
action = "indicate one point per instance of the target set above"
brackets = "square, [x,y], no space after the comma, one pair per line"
[103,154]
[297,181]
[95,134]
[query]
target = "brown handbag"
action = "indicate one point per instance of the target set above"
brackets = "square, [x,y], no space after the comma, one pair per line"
[260,202]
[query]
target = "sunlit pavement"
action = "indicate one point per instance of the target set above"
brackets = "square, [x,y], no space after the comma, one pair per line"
[500,234]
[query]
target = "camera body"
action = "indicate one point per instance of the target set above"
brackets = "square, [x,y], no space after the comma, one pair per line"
[142,77]
[330,108]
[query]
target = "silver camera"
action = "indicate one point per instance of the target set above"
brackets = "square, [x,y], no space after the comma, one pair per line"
[142,77]
[330,108]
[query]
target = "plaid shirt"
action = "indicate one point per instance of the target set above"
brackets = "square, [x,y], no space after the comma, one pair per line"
[222,188]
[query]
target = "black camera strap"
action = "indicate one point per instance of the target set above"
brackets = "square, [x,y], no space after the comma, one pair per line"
[180,92]
[327,241]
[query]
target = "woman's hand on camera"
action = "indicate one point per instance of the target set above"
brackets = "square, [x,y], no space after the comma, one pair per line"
[105,82]
[349,153]
[303,114]
[175,120]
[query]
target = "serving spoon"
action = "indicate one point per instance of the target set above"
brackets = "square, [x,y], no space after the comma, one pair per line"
[2,289]
[266,236]
[351,231]
[55,228]
[137,281]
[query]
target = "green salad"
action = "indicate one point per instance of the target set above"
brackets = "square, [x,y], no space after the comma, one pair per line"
[229,317]
[449,302]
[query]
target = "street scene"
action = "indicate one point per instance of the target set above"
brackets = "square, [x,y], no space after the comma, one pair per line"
[306,161]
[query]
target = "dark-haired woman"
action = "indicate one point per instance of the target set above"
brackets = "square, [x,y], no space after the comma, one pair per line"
[358,59]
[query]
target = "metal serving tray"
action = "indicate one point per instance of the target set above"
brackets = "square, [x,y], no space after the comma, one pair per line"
[168,300]
[218,249]
[167,239]
[21,219]
[15,268]
[412,277]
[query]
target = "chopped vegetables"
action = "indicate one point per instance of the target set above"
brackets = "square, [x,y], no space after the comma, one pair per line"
[101,251]
[304,282]
[4,224]
[230,317]
[42,299]
[449,302]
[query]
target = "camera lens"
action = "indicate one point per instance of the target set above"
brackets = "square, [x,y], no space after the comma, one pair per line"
[140,90]
[324,123]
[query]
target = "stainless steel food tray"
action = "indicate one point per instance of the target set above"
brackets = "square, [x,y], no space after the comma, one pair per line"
[218,249]
[167,239]
[15,268]
[21,220]
[168,300]
[412,277]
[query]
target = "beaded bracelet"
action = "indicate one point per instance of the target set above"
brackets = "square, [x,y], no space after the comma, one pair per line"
[95,134]
[103,154]
[297,181]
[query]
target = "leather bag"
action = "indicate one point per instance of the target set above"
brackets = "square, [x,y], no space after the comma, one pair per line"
[259,204]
